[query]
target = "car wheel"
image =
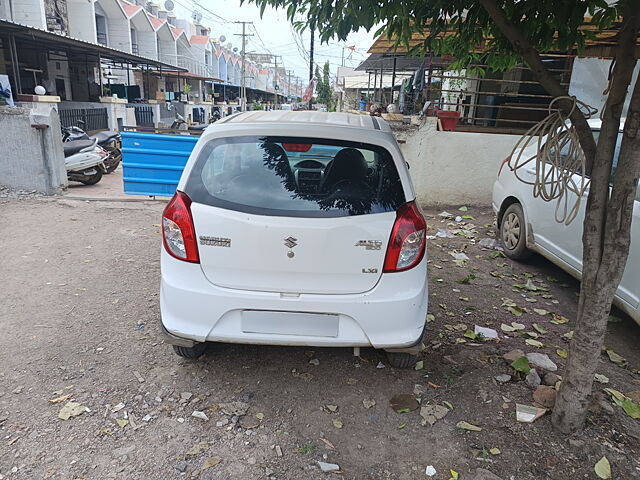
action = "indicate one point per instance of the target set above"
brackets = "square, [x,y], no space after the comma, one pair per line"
[513,233]
[190,352]
[401,360]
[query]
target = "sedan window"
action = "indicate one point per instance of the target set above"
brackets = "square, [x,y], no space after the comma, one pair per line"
[596,135]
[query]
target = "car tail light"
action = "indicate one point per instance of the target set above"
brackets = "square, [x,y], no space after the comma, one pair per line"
[407,243]
[504,162]
[297,147]
[178,234]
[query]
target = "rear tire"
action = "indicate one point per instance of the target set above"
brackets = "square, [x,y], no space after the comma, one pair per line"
[513,233]
[190,352]
[93,179]
[401,360]
[114,159]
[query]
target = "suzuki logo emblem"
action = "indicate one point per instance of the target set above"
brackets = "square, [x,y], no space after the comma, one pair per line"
[290,242]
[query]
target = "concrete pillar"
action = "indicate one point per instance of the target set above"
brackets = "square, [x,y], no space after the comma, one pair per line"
[33,158]
[156,111]
[115,111]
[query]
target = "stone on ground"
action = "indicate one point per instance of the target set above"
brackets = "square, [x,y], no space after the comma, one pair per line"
[541,360]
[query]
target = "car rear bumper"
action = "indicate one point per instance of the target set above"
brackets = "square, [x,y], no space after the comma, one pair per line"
[391,315]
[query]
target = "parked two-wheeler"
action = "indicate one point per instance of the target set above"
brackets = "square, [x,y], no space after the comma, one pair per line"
[108,140]
[83,160]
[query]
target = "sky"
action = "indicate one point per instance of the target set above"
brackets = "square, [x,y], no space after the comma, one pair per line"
[273,34]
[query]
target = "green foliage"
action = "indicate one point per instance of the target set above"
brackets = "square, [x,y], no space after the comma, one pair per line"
[323,86]
[455,27]
[521,365]
[186,88]
[307,447]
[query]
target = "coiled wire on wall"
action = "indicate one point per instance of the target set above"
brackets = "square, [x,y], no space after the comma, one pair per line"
[558,163]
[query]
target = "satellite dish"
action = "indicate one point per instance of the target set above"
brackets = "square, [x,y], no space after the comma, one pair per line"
[223,39]
[168,5]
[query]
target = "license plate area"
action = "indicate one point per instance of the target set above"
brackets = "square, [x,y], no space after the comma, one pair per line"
[290,323]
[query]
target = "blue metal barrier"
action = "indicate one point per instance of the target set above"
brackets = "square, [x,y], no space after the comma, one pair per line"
[152,163]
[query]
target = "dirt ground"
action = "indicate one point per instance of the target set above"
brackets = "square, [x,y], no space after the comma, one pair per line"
[79,317]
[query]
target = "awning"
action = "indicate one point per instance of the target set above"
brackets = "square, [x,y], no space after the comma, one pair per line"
[185,74]
[385,61]
[601,44]
[42,40]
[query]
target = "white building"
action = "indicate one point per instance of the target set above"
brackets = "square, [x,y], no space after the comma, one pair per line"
[141,29]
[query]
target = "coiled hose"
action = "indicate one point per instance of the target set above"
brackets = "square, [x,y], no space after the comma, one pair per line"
[560,165]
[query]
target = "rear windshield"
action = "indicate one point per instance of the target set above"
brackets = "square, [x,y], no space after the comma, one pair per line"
[294,176]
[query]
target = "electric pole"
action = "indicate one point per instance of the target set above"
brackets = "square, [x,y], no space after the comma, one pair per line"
[313,32]
[243,88]
[289,72]
[275,80]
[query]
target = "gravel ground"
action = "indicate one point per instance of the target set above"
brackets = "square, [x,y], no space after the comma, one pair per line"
[79,316]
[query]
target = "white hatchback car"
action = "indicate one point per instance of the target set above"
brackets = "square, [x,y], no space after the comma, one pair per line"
[295,228]
[528,224]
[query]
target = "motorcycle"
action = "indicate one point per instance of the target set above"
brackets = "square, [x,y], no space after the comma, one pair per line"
[109,141]
[180,124]
[83,160]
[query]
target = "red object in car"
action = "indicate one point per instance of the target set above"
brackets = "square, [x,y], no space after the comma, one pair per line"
[182,243]
[504,162]
[407,238]
[297,147]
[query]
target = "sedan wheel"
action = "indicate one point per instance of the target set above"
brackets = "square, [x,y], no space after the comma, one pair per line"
[513,233]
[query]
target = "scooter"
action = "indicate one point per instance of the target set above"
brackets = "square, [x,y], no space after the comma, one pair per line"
[84,161]
[180,124]
[109,141]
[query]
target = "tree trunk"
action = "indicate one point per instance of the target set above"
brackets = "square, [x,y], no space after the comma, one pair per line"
[607,223]
[531,56]
[600,278]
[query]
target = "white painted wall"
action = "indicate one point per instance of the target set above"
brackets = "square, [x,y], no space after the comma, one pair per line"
[29,12]
[119,34]
[454,168]
[81,16]
[5,9]
[589,80]
[58,69]
[167,51]
[147,44]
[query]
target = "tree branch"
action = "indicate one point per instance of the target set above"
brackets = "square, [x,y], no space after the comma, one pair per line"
[523,47]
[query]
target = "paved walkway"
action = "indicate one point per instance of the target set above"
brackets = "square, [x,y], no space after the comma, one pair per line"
[110,187]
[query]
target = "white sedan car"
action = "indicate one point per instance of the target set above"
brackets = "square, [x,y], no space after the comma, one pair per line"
[528,224]
[295,228]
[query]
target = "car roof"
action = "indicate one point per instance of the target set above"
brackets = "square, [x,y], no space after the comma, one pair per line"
[596,123]
[315,118]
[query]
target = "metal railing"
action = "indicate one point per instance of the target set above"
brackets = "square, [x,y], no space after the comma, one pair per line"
[168,58]
[101,38]
[93,118]
[143,113]
[196,67]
